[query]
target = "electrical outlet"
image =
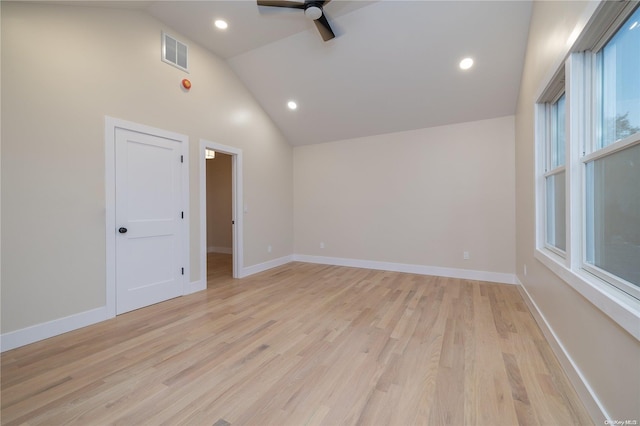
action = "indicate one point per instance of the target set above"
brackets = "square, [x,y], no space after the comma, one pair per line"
[465,255]
[322,245]
[269,249]
[525,269]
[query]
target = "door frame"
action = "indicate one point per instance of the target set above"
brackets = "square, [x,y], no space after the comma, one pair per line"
[111,124]
[236,203]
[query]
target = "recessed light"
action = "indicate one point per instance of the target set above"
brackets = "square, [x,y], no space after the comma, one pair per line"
[466,63]
[292,105]
[219,23]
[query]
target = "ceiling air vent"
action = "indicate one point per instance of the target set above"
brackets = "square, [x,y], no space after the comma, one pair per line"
[174,52]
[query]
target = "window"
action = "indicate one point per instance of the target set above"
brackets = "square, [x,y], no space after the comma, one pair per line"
[612,165]
[588,142]
[555,181]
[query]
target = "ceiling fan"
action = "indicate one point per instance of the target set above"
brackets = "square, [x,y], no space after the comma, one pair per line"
[312,10]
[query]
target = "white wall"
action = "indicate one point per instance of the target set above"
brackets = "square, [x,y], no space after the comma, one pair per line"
[419,197]
[602,352]
[63,69]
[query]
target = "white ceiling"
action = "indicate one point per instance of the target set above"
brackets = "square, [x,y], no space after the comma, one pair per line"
[392,67]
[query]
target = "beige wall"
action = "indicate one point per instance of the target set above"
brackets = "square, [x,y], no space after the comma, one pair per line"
[420,197]
[63,69]
[605,354]
[219,199]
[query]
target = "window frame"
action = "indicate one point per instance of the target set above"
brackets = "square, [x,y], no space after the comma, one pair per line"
[577,77]
[591,149]
[550,125]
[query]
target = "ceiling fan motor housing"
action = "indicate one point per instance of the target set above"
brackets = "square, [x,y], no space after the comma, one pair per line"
[313,9]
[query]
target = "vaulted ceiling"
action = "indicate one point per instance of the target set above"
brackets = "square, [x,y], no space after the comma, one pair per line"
[392,67]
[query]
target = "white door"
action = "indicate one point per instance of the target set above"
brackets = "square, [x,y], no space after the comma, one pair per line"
[148,215]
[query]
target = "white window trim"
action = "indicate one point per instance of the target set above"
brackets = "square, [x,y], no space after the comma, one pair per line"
[615,303]
[577,92]
[613,148]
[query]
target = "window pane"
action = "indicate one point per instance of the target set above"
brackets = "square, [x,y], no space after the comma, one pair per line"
[556,221]
[620,64]
[613,214]
[557,133]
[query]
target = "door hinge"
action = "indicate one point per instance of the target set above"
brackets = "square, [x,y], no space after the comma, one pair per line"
[182,158]
[182,271]
[233,222]
[182,215]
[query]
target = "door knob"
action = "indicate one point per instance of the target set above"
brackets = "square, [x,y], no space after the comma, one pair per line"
[122,230]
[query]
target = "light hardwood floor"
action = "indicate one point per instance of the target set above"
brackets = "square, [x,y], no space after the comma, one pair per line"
[219,269]
[301,344]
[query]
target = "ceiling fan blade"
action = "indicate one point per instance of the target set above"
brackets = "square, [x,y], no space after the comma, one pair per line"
[281,3]
[325,29]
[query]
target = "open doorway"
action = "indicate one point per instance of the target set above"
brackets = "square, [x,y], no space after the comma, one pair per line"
[212,241]
[219,217]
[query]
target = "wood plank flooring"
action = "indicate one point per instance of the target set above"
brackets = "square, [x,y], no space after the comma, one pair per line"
[301,344]
[219,269]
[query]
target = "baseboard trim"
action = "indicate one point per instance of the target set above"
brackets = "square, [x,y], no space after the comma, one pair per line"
[35,333]
[588,397]
[467,274]
[195,286]
[223,250]
[265,266]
